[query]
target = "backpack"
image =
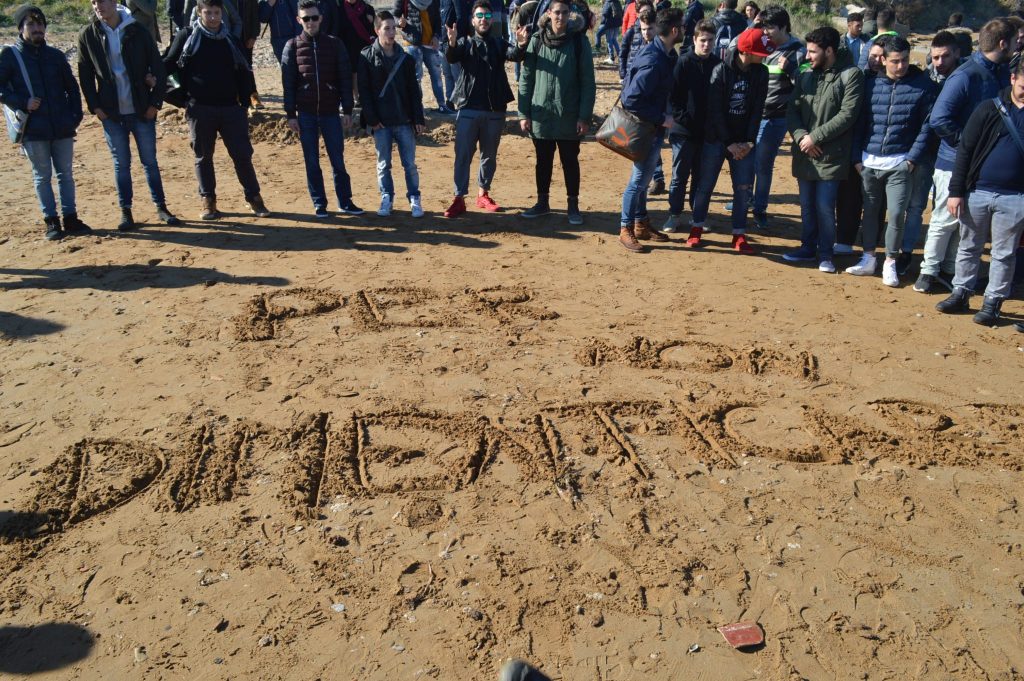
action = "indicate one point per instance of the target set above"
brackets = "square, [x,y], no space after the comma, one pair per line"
[723,37]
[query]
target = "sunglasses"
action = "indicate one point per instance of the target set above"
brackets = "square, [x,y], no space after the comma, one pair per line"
[483,15]
[307,19]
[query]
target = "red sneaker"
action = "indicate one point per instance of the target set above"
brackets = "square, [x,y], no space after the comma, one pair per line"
[693,241]
[740,245]
[487,203]
[457,208]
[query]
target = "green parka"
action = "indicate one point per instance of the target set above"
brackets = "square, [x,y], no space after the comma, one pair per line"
[556,85]
[825,105]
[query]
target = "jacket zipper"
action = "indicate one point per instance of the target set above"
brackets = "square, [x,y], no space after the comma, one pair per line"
[888,119]
[316,72]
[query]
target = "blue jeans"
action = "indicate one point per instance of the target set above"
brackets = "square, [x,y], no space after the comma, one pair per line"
[685,167]
[432,59]
[144,132]
[612,33]
[405,138]
[311,127]
[713,155]
[634,199]
[920,192]
[992,218]
[47,157]
[449,76]
[769,139]
[473,129]
[818,215]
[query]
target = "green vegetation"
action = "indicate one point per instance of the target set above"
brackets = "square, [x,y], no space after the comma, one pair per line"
[63,14]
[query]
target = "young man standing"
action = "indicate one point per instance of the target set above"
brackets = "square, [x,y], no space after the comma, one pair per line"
[986,192]
[116,56]
[891,139]
[783,65]
[420,23]
[728,25]
[821,118]
[317,82]
[219,82]
[645,96]
[943,59]
[482,94]
[393,110]
[980,78]
[53,101]
[689,101]
[854,38]
[886,19]
[736,98]
[556,102]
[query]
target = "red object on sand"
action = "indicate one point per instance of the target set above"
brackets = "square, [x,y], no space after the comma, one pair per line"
[742,634]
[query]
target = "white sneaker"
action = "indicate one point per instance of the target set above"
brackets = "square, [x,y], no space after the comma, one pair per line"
[416,206]
[889,275]
[609,60]
[842,249]
[865,268]
[385,206]
[673,224]
[827,267]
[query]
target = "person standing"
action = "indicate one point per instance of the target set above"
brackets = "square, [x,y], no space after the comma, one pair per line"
[393,110]
[737,92]
[356,21]
[820,117]
[556,102]
[317,83]
[890,141]
[646,97]
[691,77]
[855,41]
[482,95]
[693,16]
[53,101]
[986,191]
[420,23]
[980,78]
[116,56]
[218,80]
[783,65]
[943,59]
[729,24]
[611,24]
[886,28]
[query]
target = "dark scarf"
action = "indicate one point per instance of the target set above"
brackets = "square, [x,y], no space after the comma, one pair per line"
[199,33]
[354,12]
[549,38]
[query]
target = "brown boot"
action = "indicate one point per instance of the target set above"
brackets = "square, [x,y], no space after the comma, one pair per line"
[628,240]
[257,207]
[644,231]
[210,211]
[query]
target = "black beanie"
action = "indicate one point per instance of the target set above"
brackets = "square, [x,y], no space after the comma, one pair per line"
[22,13]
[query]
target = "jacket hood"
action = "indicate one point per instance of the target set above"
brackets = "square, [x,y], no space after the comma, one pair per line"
[730,15]
[126,19]
[576,22]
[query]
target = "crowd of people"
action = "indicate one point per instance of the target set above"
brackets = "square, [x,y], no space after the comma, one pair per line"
[873,135]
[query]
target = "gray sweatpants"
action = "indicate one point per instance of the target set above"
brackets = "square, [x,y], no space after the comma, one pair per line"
[998,218]
[472,129]
[892,186]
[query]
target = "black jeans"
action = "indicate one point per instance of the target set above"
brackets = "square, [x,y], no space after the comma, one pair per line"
[849,207]
[568,154]
[232,122]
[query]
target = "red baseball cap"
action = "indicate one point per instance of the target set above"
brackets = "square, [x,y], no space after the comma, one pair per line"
[755,41]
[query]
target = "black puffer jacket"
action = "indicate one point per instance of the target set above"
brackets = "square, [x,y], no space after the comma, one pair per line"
[483,59]
[60,112]
[414,22]
[401,102]
[140,55]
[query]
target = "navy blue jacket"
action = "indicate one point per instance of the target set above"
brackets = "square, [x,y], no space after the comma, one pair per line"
[632,43]
[60,112]
[609,17]
[972,83]
[458,13]
[283,23]
[649,83]
[693,16]
[894,118]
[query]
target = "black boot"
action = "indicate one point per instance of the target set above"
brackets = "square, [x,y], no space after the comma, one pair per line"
[165,215]
[538,209]
[53,232]
[127,223]
[989,312]
[958,302]
[75,227]
[573,212]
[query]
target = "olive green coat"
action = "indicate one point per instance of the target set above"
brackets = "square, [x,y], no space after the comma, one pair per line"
[556,90]
[825,105]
